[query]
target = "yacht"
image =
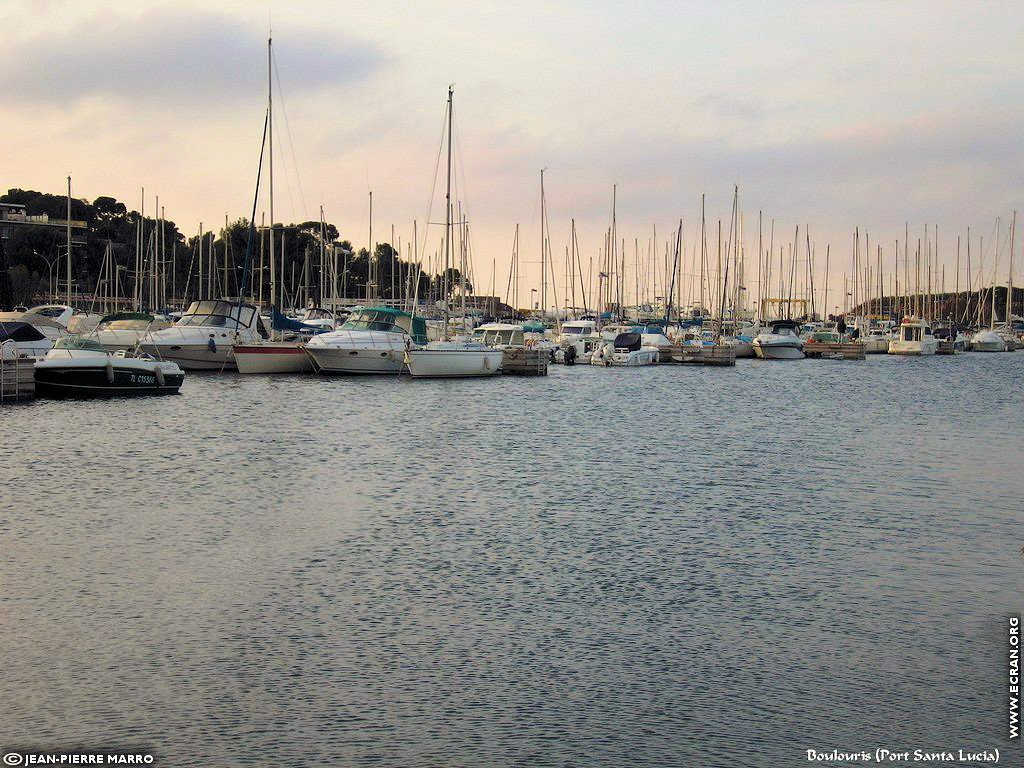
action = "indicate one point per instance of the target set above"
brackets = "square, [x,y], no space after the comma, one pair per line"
[81,367]
[913,337]
[627,349]
[123,330]
[780,342]
[372,340]
[202,339]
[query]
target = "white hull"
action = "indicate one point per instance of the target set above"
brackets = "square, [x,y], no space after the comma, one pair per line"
[453,363]
[778,351]
[988,341]
[988,346]
[875,346]
[913,348]
[356,361]
[626,359]
[272,357]
[193,357]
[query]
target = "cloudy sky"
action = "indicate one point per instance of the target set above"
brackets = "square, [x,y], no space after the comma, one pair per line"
[832,115]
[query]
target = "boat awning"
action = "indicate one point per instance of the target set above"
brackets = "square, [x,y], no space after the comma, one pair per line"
[281,323]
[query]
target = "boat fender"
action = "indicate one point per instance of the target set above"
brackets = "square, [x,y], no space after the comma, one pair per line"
[159,372]
[110,371]
[487,363]
[212,345]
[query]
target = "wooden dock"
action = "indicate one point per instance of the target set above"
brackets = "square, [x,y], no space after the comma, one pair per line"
[17,379]
[843,350]
[525,361]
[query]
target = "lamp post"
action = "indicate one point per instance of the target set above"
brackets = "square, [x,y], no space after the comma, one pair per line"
[533,303]
[50,263]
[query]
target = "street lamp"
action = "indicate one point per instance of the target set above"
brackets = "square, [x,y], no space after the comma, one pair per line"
[50,265]
[533,303]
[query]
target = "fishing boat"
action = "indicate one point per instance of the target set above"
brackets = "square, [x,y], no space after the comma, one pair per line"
[781,342]
[124,330]
[81,367]
[627,350]
[202,340]
[913,337]
[372,340]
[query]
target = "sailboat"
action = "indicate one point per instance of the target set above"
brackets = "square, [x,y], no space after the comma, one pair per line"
[452,358]
[999,338]
[273,354]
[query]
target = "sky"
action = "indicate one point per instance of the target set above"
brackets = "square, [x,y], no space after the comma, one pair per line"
[831,116]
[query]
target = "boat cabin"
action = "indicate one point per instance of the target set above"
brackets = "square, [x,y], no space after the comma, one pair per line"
[387,320]
[914,330]
[785,328]
[579,328]
[500,335]
[223,314]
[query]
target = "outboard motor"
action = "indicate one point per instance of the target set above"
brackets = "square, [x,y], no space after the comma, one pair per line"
[570,355]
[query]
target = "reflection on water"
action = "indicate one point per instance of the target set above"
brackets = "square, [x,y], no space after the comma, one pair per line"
[604,567]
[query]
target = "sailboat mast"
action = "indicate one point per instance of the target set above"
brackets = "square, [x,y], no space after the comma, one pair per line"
[448,211]
[270,167]
[1009,280]
[69,242]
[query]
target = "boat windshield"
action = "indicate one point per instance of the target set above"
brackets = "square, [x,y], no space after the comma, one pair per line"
[574,330]
[77,342]
[492,337]
[218,314]
[375,320]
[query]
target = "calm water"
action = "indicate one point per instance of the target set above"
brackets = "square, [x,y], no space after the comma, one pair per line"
[646,567]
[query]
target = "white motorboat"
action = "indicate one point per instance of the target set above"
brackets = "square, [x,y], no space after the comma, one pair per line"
[988,340]
[582,337]
[124,330]
[20,339]
[453,359]
[781,342]
[372,340]
[876,341]
[913,337]
[203,338]
[81,367]
[627,350]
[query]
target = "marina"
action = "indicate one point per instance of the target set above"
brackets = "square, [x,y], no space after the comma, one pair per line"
[555,385]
